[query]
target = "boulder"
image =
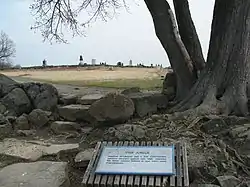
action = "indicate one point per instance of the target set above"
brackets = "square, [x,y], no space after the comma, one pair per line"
[89,99]
[74,112]
[22,123]
[3,109]
[131,91]
[113,108]
[17,102]
[34,150]
[38,118]
[148,103]
[43,96]
[169,85]
[59,127]
[5,127]
[68,99]
[43,173]
[228,181]
[82,158]
[6,85]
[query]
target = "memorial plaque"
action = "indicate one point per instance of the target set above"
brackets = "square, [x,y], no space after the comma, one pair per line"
[140,160]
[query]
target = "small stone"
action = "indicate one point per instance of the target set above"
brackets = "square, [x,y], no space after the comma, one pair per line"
[127,132]
[131,90]
[22,123]
[90,99]
[2,108]
[86,130]
[214,126]
[11,119]
[68,99]
[5,130]
[82,159]
[74,112]
[228,181]
[38,118]
[26,132]
[64,126]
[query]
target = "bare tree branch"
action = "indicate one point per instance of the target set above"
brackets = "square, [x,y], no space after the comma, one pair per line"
[52,16]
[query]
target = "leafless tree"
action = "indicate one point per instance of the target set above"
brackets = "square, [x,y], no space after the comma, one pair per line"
[220,88]
[7,50]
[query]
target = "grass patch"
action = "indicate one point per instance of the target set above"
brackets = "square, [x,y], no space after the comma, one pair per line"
[149,84]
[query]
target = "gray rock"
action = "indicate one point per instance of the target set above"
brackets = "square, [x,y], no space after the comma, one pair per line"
[82,159]
[68,99]
[86,130]
[5,130]
[43,173]
[90,99]
[5,127]
[64,126]
[169,85]
[38,118]
[127,132]
[11,119]
[241,131]
[25,132]
[17,102]
[33,150]
[148,103]
[228,181]
[113,108]
[6,85]
[6,80]
[131,90]
[43,96]
[3,109]
[215,126]
[74,112]
[22,123]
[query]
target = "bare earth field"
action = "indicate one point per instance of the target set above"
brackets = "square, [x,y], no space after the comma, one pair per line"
[145,78]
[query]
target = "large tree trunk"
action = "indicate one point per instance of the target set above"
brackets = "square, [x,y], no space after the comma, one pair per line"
[188,33]
[221,89]
[167,32]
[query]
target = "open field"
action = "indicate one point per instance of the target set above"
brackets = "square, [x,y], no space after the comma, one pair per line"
[145,78]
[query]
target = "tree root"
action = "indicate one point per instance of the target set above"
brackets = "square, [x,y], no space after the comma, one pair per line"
[234,100]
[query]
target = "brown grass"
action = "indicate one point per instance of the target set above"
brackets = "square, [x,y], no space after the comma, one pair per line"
[102,77]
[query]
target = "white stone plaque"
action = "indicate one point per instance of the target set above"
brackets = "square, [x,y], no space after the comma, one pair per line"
[140,160]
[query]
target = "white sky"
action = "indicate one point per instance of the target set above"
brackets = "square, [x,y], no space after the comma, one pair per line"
[129,36]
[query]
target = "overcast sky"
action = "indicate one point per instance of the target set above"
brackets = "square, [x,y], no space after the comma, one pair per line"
[129,36]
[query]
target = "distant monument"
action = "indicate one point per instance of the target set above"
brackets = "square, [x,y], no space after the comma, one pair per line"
[81,60]
[130,63]
[93,62]
[44,63]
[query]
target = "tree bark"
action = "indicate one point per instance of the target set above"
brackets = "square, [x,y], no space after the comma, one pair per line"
[221,89]
[188,33]
[167,32]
